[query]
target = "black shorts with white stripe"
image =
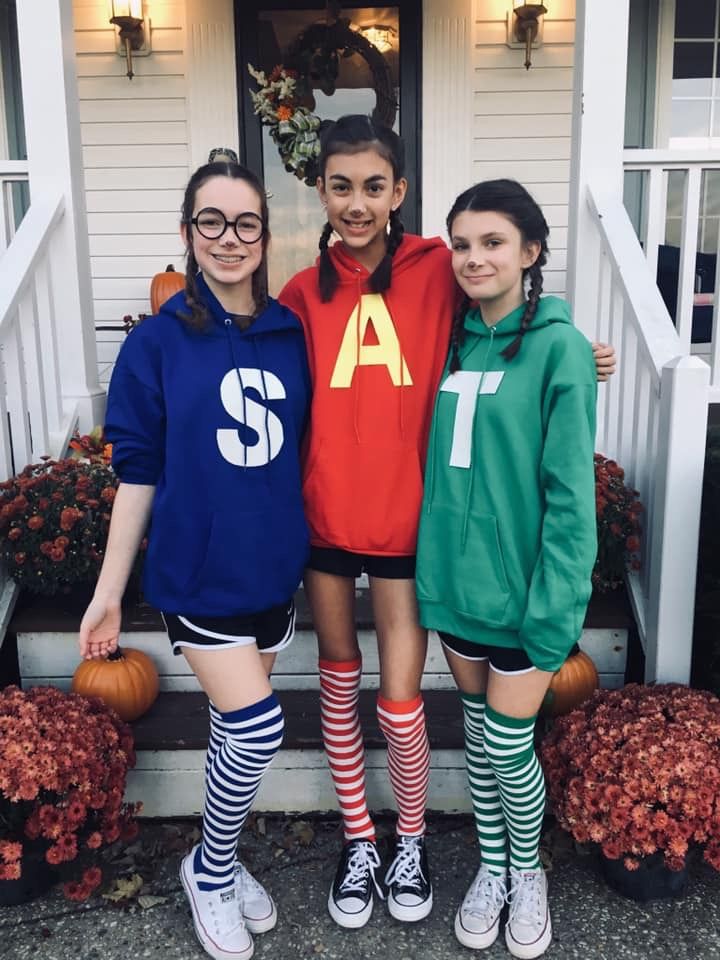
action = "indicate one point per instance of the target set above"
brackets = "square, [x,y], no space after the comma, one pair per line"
[271,630]
[502,659]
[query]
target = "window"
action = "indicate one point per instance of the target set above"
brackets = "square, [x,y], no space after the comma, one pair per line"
[695,111]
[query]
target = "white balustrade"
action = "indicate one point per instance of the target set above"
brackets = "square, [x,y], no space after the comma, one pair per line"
[656,165]
[34,419]
[652,420]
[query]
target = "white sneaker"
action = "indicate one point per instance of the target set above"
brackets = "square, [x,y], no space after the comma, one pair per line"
[477,920]
[256,904]
[218,923]
[528,931]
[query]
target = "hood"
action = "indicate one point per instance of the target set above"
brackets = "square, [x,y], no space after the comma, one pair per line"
[411,249]
[549,310]
[274,317]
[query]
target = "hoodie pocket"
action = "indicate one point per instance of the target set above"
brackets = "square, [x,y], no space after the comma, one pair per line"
[469,578]
[252,561]
[364,497]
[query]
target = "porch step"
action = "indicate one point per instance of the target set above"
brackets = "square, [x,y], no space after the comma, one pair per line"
[171,738]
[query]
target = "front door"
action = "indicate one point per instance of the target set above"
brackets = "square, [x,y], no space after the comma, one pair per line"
[350,59]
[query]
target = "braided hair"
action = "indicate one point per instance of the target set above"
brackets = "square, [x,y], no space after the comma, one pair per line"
[353,134]
[197,317]
[513,201]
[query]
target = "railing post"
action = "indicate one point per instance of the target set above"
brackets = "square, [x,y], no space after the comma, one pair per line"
[597,139]
[676,519]
[52,128]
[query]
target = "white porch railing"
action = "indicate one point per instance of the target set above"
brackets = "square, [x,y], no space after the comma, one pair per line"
[33,418]
[12,172]
[656,166]
[652,420]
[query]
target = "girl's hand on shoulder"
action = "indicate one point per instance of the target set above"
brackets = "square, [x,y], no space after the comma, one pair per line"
[605,360]
[99,629]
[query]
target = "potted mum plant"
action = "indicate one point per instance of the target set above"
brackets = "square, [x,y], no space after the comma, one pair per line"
[55,517]
[636,772]
[63,765]
[618,526]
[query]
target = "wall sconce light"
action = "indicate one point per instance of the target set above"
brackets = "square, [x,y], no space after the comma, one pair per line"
[525,27]
[380,36]
[134,33]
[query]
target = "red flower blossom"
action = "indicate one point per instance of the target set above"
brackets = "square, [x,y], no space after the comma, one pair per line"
[637,770]
[57,751]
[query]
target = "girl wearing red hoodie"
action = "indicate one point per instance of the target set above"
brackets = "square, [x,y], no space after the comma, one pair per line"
[377,312]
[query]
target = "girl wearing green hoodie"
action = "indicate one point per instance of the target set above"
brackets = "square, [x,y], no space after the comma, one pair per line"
[507,536]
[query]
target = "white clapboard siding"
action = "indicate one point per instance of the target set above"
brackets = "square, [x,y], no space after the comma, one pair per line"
[109,66]
[136,159]
[98,42]
[522,118]
[133,111]
[127,179]
[92,15]
[148,133]
[104,268]
[163,246]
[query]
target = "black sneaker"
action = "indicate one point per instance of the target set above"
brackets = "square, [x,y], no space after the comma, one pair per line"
[351,898]
[408,880]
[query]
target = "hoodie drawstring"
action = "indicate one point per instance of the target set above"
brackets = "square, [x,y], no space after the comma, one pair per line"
[471,483]
[236,365]
[356,392]
[228,329]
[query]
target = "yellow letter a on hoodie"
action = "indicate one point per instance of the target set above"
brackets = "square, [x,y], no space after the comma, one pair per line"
[386,352]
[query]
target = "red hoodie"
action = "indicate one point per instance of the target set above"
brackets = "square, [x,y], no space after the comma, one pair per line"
[375,362]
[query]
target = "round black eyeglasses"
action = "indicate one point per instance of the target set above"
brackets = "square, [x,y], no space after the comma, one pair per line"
[212,224]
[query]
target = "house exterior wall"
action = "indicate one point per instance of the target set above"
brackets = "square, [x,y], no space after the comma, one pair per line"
[522,118]
[483,116]
[136,159]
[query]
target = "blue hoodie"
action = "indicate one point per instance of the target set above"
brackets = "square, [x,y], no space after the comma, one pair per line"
[214,421]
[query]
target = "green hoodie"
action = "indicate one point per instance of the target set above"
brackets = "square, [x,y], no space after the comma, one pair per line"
[507,537]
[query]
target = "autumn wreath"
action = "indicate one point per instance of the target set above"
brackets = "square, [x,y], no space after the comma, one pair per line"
[285,102]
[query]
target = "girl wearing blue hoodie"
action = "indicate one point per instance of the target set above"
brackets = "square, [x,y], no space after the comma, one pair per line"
[206,409]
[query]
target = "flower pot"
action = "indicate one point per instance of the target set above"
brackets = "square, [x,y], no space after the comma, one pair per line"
[651,881]
[37,878]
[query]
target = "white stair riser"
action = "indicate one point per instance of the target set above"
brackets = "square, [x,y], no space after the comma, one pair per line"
[53,657]
[170,783]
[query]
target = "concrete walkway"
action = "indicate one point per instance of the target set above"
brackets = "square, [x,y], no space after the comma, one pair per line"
[296,861]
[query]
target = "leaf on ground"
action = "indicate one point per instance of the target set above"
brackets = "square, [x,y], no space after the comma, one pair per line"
[193,836]
[146,901]
[126,888]
[302,832]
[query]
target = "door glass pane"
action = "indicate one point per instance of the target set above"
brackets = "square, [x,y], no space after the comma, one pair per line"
[297,217]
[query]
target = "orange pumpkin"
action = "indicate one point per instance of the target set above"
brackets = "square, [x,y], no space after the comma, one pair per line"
[164,285]
[574,683]
[127,681]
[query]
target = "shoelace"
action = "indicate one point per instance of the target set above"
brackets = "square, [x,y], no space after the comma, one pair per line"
[526,896]
[248,883]
[224,912]
[405,868]
[486,896]
[362,864]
